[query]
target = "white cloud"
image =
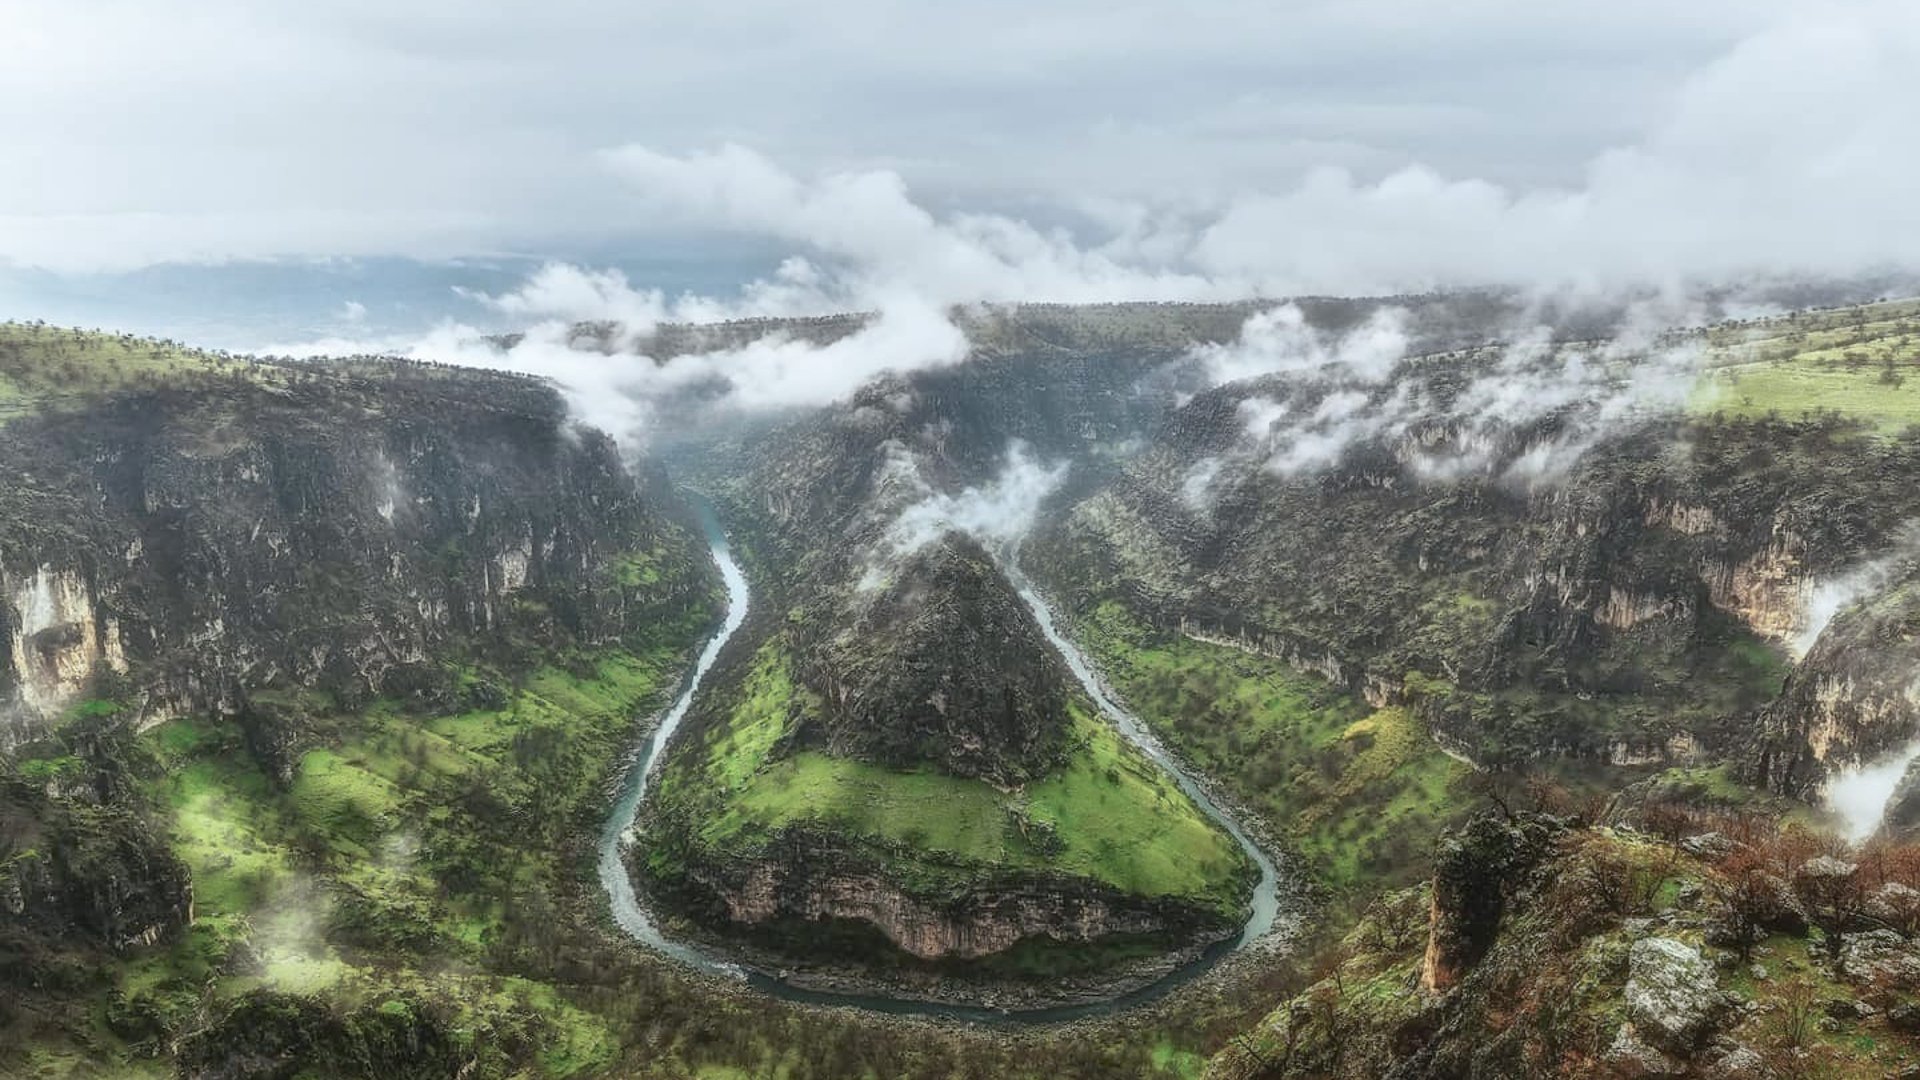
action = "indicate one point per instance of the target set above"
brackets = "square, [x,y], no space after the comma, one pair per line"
[1306,147]
[1860,794]
[876,238]
[1279,341]
[1334,392]
[1780,155]
[998,514]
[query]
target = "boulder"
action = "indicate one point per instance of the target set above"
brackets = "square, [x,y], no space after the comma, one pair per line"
[1737,1062]
[1881,960]
[1708,845]
[1672,997]
[1631,1056]
[1896,905]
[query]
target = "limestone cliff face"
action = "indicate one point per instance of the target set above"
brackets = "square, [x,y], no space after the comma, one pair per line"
[805,879]
[1854,698]
[57,634]
[331,533]
[1645,603]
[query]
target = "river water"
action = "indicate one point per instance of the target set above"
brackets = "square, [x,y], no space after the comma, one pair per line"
[636,920]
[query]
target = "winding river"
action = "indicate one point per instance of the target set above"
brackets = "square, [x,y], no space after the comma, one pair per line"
[636,920]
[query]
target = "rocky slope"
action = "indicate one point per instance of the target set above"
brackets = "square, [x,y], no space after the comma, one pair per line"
[1637,605]
[256,558]
[1546,947]
[884,674]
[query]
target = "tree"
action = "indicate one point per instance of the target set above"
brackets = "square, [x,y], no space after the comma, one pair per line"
[1834,897]
[1746,889]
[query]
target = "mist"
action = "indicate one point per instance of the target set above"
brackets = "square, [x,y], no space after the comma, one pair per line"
[1860,794]
[1314,396]
[1828,597]
[998,513]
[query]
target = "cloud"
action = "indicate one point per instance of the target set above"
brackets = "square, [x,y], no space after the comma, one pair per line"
[621,389]
[998,513]
[1320,395]
[1101,151]
[1860,794]
[875,238]
[1777,156]
[1279,341]
[1733,172]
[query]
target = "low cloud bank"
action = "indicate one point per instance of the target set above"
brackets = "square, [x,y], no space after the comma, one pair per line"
[1787,155]
[998,513]
[1321,395]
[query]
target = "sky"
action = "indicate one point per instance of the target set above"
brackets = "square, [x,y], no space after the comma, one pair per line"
[247,169]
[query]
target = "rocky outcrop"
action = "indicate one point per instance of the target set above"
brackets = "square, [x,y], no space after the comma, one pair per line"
[813,879]
[75,870]
[1605,962]
[318,529]
[1475,870]
[58,633]
[941,665]
[1902,816]
[1854,698]
[271,1034]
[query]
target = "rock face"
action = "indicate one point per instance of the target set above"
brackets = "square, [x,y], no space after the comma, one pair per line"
[812,879]
[1854,698]
[76,870]
[1474,871]
[1671,993]
[1882,959]
[323,528]
[944,666]
[1902,815]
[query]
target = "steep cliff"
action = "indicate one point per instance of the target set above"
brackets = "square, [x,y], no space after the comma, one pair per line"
[333,529]
[337,654]
[1853,699]
[1638,608]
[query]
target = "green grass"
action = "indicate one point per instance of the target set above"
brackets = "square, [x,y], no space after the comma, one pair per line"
[1362,794]
[1108,815]
[407,839]
[227,825]
[51,367]
[1861,362]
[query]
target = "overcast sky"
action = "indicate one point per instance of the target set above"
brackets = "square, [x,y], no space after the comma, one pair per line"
[1195,148]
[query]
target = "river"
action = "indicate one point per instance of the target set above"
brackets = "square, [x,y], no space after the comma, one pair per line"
[636,920]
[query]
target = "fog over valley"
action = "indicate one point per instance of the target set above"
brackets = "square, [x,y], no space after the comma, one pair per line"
[1247,542]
